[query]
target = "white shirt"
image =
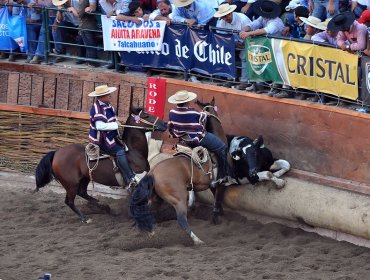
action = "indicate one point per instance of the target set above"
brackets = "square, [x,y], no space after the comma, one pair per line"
[157,12]
[272,26]
[238,23]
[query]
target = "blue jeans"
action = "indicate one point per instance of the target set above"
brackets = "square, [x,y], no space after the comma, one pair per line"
[123,165]
[88,38]
[59,35]
[319,9]
[40,51]
[33,31]
[214,144]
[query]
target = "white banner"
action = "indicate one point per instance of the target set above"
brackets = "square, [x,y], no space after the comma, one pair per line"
[128,36]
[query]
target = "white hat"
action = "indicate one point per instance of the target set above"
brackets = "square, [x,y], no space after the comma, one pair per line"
[312,21]
[102,90]
[59,2]
[324,24]
[182,96]
[182,3]
[224,10]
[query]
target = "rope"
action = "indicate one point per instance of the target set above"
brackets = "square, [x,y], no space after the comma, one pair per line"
[199,155]
[92,150]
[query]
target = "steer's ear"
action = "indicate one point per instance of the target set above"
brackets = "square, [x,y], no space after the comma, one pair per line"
[258,142]
[213,101]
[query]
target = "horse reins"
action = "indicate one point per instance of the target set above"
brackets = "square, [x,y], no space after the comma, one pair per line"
[210,114]
[142,121]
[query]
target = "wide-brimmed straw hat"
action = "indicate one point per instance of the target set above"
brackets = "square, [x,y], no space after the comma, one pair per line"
[312,21]
[341,22]
[102,90]
[324,24]
[182,3]
[224,10]
[59,2]
[182,96]
[266,9]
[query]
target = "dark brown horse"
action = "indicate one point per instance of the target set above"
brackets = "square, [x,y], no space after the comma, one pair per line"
[68,164]
[170,181]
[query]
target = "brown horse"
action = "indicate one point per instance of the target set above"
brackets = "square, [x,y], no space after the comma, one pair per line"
[68,164]
[170,181]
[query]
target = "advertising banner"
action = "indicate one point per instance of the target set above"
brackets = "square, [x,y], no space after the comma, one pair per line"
[303,65]
[365,81]
[188,49]
[13,32]
[156,97]
[129,36]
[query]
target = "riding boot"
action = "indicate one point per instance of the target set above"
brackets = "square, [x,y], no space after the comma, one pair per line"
[125,168]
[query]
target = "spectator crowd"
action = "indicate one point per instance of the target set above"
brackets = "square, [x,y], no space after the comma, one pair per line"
[339,23]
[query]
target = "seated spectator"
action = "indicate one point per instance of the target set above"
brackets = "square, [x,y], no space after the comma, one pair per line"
[294,25]
[228,19]
[358,6]
[163,11]
[135,13]
[323,9]
[365,19]
[326,36]
[352,36]
[268,22]
[194,12]
[311,24]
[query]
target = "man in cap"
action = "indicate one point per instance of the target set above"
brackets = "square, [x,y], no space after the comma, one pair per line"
[104,130]
[352,36]
[228,19]
[365,19]
[188,125]
[193,12]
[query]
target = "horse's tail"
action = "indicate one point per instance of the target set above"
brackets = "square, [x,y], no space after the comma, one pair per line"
[44,172]
[139,207]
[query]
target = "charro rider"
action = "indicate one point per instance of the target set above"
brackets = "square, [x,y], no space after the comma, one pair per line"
[104,130]
[188,125]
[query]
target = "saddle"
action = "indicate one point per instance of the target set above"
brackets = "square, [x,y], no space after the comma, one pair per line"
[93,153]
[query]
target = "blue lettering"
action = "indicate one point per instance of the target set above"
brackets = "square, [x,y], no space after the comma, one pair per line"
[130,24]
[114,23]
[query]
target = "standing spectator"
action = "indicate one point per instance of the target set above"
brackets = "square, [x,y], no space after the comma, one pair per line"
[228,19]
[45,27]
[294,26]
[248,10]
[194,12]
[311,26]
[323,9]
[352,36]
[33,25]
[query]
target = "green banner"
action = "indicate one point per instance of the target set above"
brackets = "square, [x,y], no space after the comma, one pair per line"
[261,64]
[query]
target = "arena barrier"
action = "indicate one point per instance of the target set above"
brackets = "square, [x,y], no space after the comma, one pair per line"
[326,144]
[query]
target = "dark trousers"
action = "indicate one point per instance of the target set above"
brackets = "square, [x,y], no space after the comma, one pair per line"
[123,165]
[214,144]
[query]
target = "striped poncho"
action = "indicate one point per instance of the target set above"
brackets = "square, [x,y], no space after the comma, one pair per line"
[187,124]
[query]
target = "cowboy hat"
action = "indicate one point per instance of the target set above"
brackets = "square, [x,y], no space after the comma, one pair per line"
[182,96]
[224,10]
[266,9]
[324,24]
[102,90]
[182,3]
[341,22]
[59,2]
[311,21]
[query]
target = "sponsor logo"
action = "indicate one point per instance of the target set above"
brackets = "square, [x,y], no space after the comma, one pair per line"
[259,57]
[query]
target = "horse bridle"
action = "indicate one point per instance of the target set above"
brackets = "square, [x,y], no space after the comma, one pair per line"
[139,119]
[210,114]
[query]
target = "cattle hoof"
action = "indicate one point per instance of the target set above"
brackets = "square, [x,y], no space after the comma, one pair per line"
[280,183]
[87,221]
[151,234]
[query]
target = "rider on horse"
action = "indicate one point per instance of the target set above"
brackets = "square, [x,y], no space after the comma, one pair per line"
[188,125]
[104,130]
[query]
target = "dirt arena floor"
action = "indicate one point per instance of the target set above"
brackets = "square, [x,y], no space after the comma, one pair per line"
[39,234]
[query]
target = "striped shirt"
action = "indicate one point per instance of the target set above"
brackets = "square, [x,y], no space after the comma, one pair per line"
[105,113]
[187,124]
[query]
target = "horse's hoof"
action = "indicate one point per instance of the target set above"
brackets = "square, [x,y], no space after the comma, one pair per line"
[215,219]
[199,242]
[151,234]
[87,221]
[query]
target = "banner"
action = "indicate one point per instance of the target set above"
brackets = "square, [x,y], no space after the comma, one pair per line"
[365,81]
[156,97]
[187,50]
[303,65]
[13,32]
[129,36]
